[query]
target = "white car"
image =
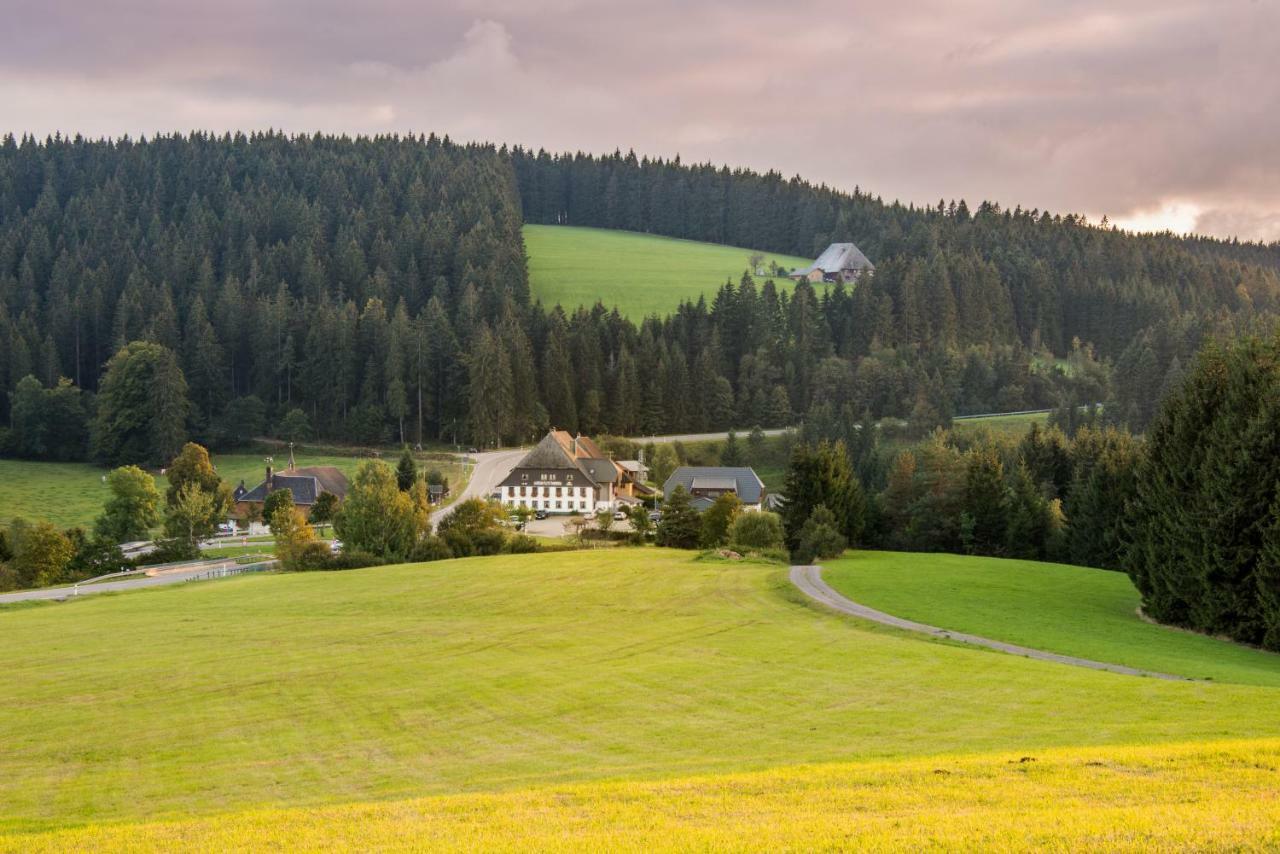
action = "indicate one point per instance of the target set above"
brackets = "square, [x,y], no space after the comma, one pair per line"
[335,546]
[621,516]
[227,529]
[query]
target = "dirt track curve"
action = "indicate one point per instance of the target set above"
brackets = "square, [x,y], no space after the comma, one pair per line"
[809,580]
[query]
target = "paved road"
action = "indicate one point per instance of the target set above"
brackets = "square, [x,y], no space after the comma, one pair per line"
[171,576]
[490,468]
[809,580]
[703,437]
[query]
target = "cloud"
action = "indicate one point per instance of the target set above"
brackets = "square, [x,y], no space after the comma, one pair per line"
[1142,111]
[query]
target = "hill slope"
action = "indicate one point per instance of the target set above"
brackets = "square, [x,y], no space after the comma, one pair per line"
[641,274]
[512,672]
[1071,610]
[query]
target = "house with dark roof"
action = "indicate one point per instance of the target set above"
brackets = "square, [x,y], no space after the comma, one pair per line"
[839,262]
[305,484]
[707,483]
[569,474]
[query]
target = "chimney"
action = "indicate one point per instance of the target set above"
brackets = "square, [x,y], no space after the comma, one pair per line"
[575,445]
[291,465]
[269,479]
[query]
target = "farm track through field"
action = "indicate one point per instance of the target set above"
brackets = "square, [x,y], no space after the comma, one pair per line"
[809,580]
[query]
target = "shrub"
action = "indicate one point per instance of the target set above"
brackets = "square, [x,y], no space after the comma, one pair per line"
[756,531]
[353,560]
[458,543]
[819,537]
[489,542]
[521,544]
[430,548]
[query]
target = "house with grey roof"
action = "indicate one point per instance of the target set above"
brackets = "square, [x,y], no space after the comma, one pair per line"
[839,262]
[707,483]
[305,484]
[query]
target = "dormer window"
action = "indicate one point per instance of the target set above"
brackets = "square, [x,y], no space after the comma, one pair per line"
[524,476]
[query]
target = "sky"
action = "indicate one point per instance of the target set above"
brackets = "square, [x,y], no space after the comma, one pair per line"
[1157,115]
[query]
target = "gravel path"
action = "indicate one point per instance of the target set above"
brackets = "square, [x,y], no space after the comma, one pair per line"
[809,580]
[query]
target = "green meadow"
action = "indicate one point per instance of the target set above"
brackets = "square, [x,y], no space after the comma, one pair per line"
[70,494]
[1072,610]
[641,274]
[491,675]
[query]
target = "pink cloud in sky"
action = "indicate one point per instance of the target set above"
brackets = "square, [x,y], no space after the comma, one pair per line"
[1144,111]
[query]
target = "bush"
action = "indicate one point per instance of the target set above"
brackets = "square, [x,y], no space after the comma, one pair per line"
[458,543]
[521,544]
[171,551]
[819,537]
[756,531]
[489,542]
[431,548]
[353,560]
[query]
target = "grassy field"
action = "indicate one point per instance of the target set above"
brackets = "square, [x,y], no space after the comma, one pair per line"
[69,494]
[1089,613]
[494,676]
[1187,797]
[1017,424]
[641,274]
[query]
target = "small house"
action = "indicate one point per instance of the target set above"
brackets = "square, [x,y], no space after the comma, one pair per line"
[707,483]
[839,262]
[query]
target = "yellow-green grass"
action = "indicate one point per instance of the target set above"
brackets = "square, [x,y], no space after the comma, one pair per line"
[1018,424]
[640,274]
[70,494]
[513,672]
[1088,613]
[1169,798]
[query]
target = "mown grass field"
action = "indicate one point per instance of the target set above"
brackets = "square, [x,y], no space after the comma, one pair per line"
[641,274]
[69,494]
[1088,613]
[494,682]
[1016,424]
[1184,797]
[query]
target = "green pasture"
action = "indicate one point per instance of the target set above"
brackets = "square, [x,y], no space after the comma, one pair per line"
[70,494]
[493,674]
[640,274]
[1072,610]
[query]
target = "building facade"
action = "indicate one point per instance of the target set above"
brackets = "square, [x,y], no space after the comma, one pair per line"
[569,474]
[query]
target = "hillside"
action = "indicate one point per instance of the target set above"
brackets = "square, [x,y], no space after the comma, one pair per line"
[640,274]
[1071,610]
[506,673]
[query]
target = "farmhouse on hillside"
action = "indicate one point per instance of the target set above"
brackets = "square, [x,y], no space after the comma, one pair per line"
[569,474]
[840,262]
[707,483]
[305,484]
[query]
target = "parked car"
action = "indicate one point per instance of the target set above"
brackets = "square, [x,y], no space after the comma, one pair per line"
[539,514]
[655,516]
[620,516]
[227,529]
[335,546]
[495,496]
[517,523]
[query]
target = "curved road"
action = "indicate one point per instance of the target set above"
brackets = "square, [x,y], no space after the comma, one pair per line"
[809,580]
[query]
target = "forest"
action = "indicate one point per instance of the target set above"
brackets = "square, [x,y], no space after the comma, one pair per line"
[374,290]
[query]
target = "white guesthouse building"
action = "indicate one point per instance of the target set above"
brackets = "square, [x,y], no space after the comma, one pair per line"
[568,474]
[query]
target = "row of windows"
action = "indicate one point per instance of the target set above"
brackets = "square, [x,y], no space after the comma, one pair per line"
[539,504]
[524,476]
[545,491]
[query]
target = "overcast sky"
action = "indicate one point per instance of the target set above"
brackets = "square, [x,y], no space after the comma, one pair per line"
[1158,114]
